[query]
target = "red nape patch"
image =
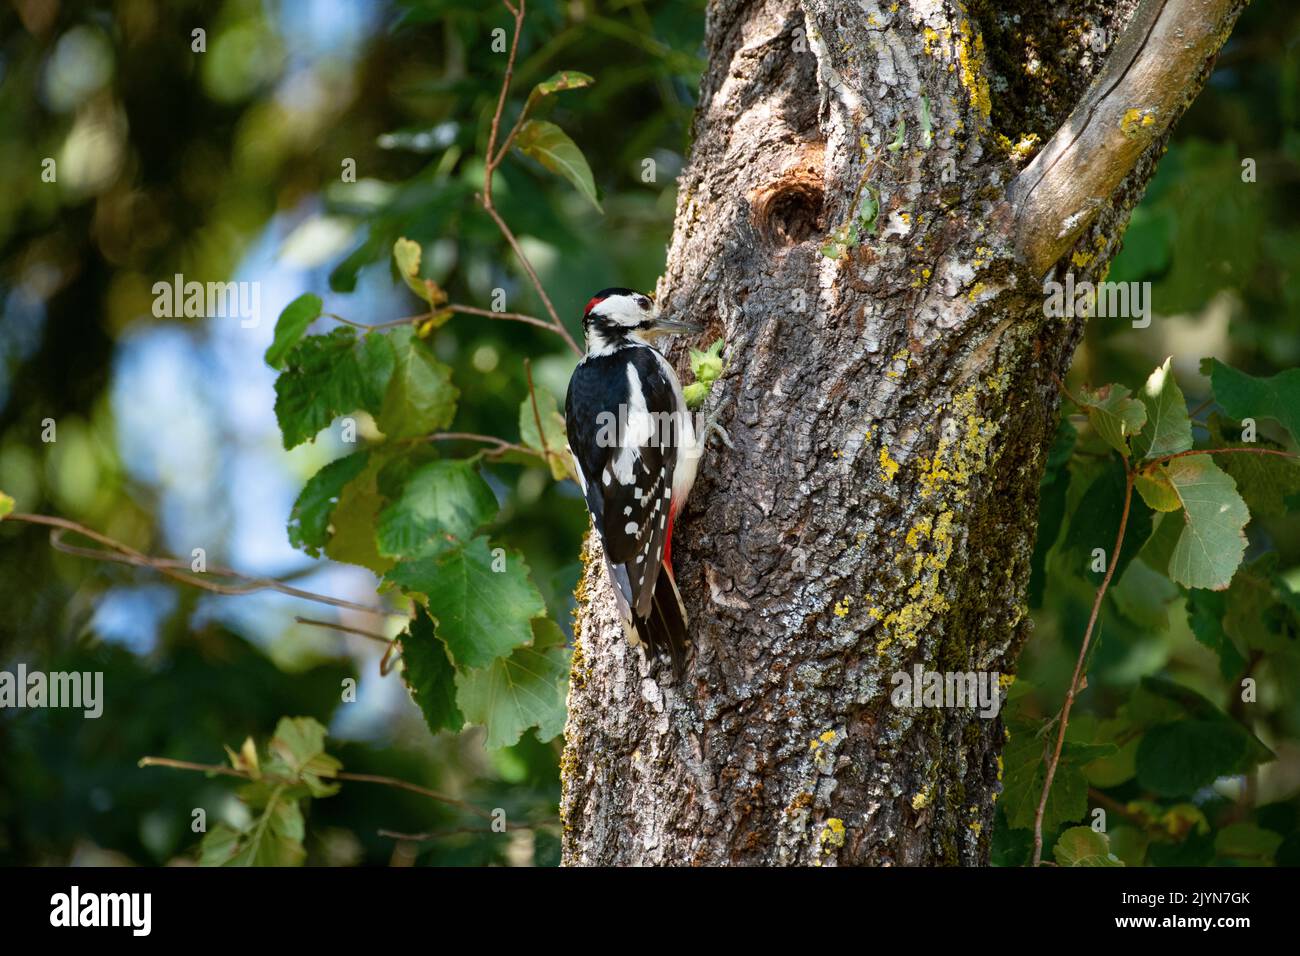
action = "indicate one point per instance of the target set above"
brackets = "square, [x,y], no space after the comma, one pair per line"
[593,302]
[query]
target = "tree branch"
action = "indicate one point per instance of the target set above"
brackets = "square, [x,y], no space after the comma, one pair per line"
[492,159]
[394,782]
[1153,71]
[177,570]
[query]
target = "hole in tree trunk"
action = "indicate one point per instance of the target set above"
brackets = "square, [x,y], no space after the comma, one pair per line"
[789,209]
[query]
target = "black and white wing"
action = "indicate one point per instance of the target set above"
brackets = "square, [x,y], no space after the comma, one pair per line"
[626,403]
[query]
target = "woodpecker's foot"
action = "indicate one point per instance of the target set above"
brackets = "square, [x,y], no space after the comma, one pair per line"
[711,427]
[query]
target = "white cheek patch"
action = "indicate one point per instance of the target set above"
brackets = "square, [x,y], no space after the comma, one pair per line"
[622,310]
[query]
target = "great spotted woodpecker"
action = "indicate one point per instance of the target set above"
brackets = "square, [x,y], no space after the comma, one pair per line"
[636,453]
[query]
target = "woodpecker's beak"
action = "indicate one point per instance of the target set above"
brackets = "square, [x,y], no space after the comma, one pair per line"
[662,326]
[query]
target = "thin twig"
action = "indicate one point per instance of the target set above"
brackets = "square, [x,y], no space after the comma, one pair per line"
[171,567]
[347,629]
[532,275]
[1078,668]
[394,782]
[453,307]
[505,316]
[1061,385]
[1220,451]
[493,158]
[537,416]
[437,834]
[501,445]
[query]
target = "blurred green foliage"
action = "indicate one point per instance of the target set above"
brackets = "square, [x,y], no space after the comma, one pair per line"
[174,161]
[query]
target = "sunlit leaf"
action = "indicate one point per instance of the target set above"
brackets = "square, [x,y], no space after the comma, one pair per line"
[1213,539]
[439,499]
[420,397]
[327,376]
[1168,428]
[1114,414]
[558,82]
[526,689]
[551,146]
[1157,490]
[482,601]
[1084,846]
[556,446]
[406,254]
[290,326]
[309,521]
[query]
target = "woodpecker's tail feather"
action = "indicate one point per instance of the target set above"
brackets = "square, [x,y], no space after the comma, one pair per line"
[663,630]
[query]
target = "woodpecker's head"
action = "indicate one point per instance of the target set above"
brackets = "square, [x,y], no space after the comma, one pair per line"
[618,317]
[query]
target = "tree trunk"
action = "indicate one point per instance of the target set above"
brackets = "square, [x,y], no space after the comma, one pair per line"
[890,406]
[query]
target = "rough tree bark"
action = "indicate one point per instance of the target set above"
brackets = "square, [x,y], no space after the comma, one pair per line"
[890,408]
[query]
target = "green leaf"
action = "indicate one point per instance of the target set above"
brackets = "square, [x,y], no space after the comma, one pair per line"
[1205,610]
[563,80]
[1257,615]
[1245,396]
[439,499]
[1114,415]
[557,442]
[429,675]
[1160,544]
[355,516]
[526,689]
[1084,846]
[1158,700]
[1110,770]
[327,376]
[1169,428]
[6,505]
[1143,596]
[298,750]
[1248,843]
[291,325]
[551,146]
[1175,760]
[420,398]
[1214,245]
[1024,772]
[482,614]
[274,839]
[1094,523]
[900,135]
[406,255]
[219,846]
[309,522]
[1264,481]
[1214,538]
[1157,490]
[927,135]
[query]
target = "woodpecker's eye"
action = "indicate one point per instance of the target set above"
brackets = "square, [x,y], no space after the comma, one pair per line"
[643,302]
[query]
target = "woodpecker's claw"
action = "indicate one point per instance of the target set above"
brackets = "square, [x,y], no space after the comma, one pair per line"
[711,427]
